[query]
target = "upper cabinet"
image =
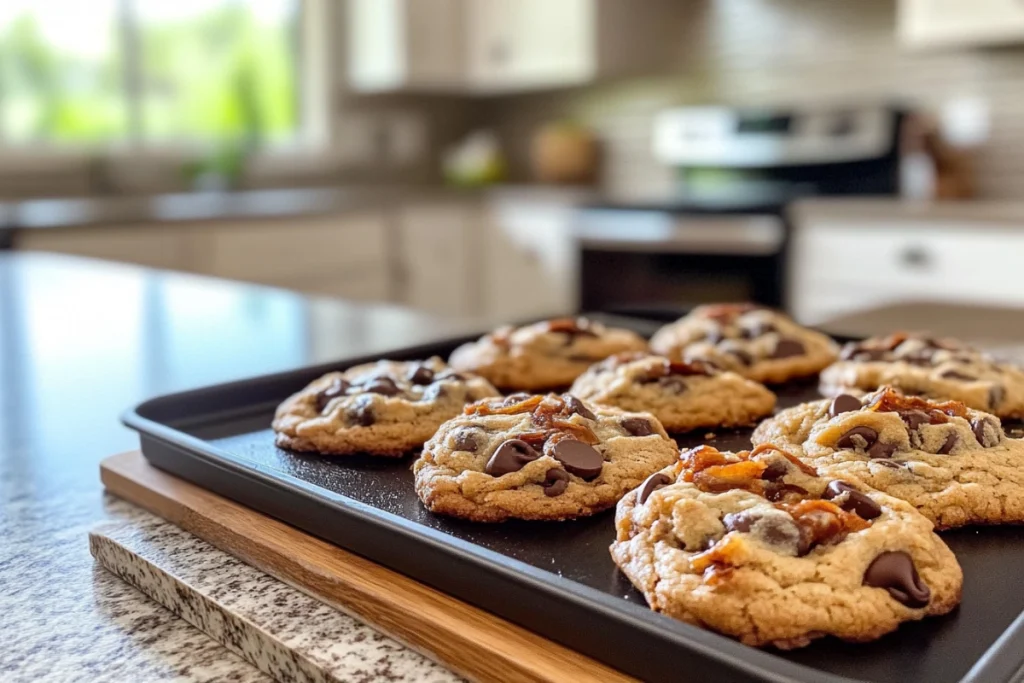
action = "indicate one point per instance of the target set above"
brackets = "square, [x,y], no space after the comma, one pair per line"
[938,23]
[499,46]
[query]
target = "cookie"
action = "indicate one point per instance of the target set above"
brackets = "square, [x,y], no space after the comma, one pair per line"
[383,408]
[538,457]
[953,463]
[937,368]
[545,355]
[756,546]
[757,343]
[683,396]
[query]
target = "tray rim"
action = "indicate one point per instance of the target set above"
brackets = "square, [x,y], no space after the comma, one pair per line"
[998,662]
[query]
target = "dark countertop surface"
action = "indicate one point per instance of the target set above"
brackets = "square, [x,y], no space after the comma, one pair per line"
[80,341]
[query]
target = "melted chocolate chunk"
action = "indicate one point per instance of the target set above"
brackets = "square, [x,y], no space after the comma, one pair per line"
[986,431]
[576,406]
[844,403]
[637,426]
[896,573]
[556,481]
[578,458]
[673,384]
[858,437]
[956,374]
[337,388]
[650,485]
[742,356]
[777,490]
[757,328]
[420,374]
[740,521]
[915,418]
[382,385]
[361,412]
[775,470]
[852,500]
[951,441]
[465,440]
[773,530]
[511,456]
[881,450]
[787,348]
[856,352]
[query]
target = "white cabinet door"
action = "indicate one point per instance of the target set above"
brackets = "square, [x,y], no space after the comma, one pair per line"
[523,44]
[437,268]
[530,265]
[928,23]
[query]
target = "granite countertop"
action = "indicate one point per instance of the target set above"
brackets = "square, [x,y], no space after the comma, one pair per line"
[79,342]
[33,214]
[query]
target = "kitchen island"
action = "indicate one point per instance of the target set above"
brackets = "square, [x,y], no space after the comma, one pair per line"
[82,340]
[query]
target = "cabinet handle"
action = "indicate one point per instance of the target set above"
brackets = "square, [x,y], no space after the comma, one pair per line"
[915,257]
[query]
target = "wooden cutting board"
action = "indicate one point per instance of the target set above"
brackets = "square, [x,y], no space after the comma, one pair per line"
[471,641]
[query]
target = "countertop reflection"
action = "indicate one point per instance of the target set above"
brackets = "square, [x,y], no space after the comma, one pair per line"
[82,340]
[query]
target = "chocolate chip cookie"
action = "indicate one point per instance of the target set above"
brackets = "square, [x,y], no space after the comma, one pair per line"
[545,355]
[937,368]
[756,546]
[383,408]
[538,457]
[758,343]
[953,463]
[683,396]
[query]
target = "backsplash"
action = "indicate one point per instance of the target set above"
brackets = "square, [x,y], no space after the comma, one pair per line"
[780,52]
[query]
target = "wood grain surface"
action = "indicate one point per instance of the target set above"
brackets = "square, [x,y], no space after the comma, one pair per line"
[471,641]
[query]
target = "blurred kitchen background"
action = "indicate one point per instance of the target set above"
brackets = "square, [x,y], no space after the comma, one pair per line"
[518,158]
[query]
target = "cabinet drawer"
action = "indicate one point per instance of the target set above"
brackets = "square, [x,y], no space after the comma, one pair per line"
[300,248]
[965,263]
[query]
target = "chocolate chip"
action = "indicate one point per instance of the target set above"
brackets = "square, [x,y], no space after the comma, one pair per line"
[650,485]
[449,374]
[896,573]
[985,431]
[576,406]
[757,329]
[915,418]
[465,440]
[578,458]
[742,356]
[777,490]
[858,437]
[852,500]
[856,352]
[361,412]
[787,348]
[775,470]
[888,463]
[420,374]
[382,385]
[740,521]
[556,481]
[996,394]
[337,388]
[951,441]
[956,374]
[844,403]
[881,450]
[511,456]
[673,384]
[637,426]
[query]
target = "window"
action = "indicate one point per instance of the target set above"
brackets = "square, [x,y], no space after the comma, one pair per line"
[148,72]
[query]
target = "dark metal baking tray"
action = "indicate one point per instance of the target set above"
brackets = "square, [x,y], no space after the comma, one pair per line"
[558,578]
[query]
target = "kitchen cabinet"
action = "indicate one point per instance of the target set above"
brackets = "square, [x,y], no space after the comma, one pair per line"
[937,23]
[531,262]
[436,266]
[142,244]
[500,46]
[841,263]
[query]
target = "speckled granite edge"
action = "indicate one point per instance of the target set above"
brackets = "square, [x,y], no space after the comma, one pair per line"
[280,630]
